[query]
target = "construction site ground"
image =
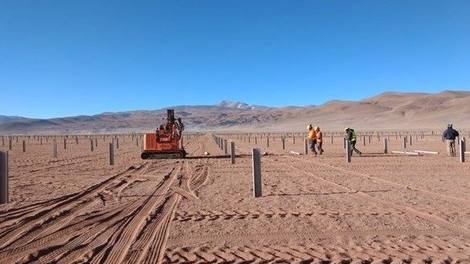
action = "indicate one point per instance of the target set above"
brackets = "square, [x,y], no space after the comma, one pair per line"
[320,209]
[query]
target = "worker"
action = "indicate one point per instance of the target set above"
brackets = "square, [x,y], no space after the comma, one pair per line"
[319,135]
[449,135]
[350,136]
[312,138]
[179,126]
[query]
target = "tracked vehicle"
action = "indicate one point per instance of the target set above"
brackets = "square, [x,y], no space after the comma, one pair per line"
[166,142]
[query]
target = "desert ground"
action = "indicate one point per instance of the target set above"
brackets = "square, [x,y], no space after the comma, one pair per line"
[379,208]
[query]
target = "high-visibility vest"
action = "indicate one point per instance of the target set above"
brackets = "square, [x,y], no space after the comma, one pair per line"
[353,135]
[312,134]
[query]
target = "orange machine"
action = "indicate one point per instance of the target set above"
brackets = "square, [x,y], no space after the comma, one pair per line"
[166,142]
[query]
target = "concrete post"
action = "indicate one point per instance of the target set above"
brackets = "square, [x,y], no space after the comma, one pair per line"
[111,154]
[385,145]
[462,147]
[232,152]
[348,151]
[4,178]
[256,164]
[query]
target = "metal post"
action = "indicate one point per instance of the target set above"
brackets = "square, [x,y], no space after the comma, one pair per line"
[10,145]
[293,139]
[96,142]
[54,149]
[117,142]
[256,141]
[76,140]
[267,142]
[344,143]
[4,177]
[65,143]
[385,145]
[111,154]
[364,140]
[462,148]
[348,151]
[411,140]
[256,164]
[225,147]
[232,152]
[91,145]
[283,143]
[404,142]
[24,146]
[332,139]
[306,146]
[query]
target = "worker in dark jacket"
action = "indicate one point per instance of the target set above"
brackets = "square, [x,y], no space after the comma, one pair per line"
[449,135]
[350,136]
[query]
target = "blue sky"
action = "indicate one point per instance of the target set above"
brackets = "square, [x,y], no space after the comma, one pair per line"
[61,58]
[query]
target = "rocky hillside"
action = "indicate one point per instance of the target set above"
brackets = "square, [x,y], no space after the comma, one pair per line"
[384,111]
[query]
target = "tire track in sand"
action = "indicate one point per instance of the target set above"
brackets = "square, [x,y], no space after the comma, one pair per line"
[432,218]
[45,216]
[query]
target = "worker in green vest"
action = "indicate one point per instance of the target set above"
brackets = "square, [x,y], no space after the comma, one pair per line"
[350,136]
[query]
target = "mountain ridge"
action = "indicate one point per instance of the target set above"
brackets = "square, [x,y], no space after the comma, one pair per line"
[388,110]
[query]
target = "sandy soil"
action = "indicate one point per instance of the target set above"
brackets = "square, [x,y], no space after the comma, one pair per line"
[376,209]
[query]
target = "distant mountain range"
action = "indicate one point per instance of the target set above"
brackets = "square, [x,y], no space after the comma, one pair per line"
[384,111]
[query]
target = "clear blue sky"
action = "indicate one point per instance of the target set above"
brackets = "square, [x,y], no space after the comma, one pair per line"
[61,58]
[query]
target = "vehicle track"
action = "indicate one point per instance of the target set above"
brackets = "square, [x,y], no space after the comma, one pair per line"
[458,230]
[79,228]
[315,253]
[42,217]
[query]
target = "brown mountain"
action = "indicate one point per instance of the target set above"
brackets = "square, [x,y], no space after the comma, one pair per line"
[384,111]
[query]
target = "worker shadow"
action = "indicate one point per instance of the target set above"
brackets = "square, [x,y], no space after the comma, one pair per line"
[327,193]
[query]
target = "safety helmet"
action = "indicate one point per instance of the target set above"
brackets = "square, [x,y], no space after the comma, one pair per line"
[346,128]
[309,126]
[316,128]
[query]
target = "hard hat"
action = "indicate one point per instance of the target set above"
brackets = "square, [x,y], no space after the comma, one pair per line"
[346,128]
[309,127]
[316,128]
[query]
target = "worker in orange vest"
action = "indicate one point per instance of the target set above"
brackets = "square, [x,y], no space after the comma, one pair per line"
[312,139]
[319,135]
